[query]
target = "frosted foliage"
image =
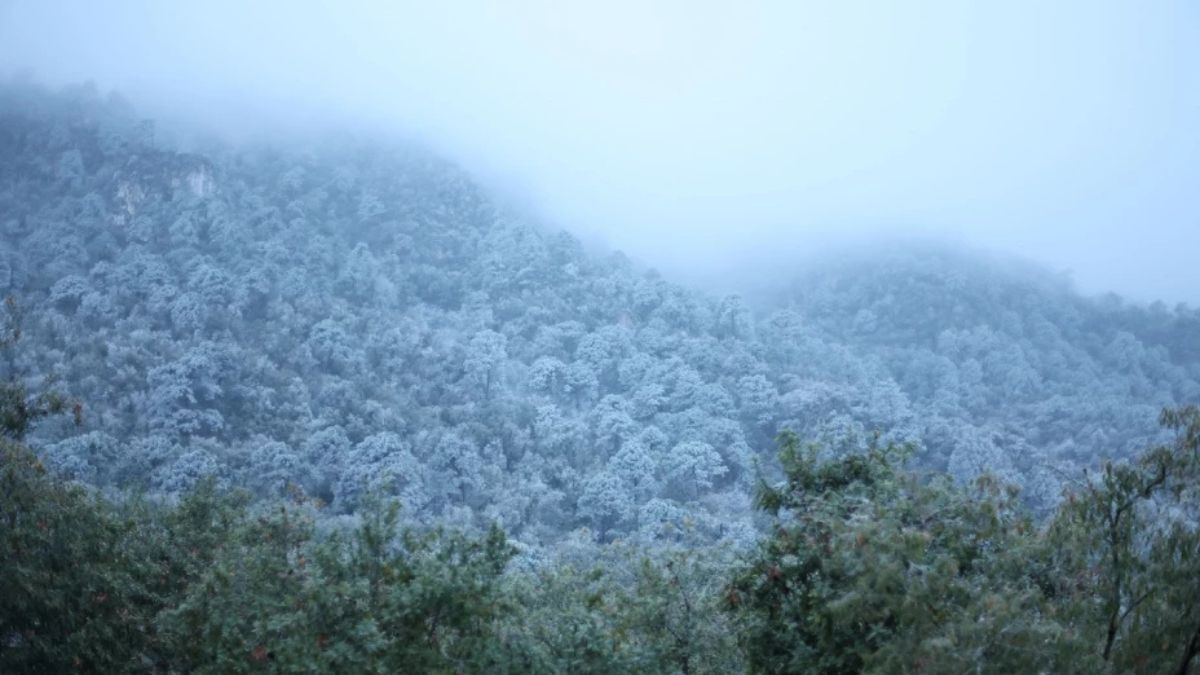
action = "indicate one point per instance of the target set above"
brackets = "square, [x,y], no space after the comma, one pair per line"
[354,317]
[187,312]
[331,345]
[485,356]
[610,421]
[7,272]
[381,464]
[273,466]
[185,472]
[359,275]
[85,457]
[581,381]
[458,469]
[546,375]
[662,518]
[326,448]
[635,465]
[605,501]
[210,284]
[183,393]
[68,291]
[694,464]
[975,452]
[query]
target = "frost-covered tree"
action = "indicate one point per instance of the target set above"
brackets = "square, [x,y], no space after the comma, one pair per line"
[228,299]
[605,502]
[187,471]
[693,466]
[635,465]
[273,467]
[381,465]
[485,357]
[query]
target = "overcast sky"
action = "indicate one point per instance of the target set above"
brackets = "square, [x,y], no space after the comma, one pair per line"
[701,135]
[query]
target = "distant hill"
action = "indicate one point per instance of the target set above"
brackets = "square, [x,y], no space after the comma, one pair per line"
[349,318]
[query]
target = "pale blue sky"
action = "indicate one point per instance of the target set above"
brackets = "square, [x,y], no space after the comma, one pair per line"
[700,135]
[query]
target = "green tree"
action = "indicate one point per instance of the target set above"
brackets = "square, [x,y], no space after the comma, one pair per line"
[376,598]
[70,569]
[1127,548]
[20,409]
[73,576]
[871,568]
[674,610]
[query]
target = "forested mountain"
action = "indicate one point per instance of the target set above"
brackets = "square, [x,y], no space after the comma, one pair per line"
[347,318]
[471,445]
[1010,368]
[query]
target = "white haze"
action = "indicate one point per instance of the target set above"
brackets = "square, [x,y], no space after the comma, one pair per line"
[705,137]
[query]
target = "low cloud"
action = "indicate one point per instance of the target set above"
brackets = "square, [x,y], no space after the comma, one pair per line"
[705,136]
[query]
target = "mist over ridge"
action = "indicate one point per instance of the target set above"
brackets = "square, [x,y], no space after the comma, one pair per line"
[703,140]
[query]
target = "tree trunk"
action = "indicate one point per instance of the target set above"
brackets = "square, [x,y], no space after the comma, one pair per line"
[1185,664]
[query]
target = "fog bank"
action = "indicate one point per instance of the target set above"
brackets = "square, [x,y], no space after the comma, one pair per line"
[703,137]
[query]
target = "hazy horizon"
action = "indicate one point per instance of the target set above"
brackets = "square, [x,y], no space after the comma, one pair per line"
[704,140]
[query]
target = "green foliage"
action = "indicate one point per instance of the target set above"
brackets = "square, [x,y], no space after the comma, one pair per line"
[875,569]
[674,608]
[635,611]
[20,410]
[374,599]
[213,586]
[73,576]
[1128,549]
[569,622]
[870,568]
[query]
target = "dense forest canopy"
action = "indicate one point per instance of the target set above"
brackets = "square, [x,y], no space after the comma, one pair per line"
[338,327]
[869,568]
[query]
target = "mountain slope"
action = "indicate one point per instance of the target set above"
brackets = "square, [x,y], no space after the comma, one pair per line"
[350,319]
